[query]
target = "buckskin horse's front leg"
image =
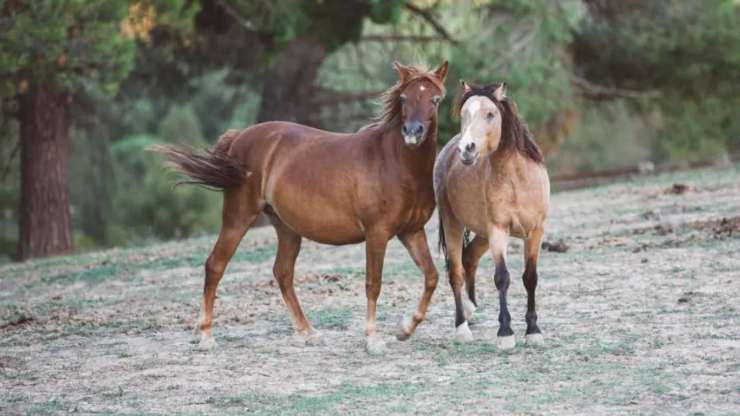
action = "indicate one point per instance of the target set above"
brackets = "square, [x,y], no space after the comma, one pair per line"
[375,246]
[416,244]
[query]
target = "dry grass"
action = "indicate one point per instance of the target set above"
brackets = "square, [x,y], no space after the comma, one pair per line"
[640,317]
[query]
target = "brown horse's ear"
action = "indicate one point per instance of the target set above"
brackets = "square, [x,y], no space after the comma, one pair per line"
[465,87]
[500,92]
[403,70]
[441,72]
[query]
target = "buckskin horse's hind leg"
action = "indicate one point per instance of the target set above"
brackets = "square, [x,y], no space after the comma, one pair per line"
[470,259]
[531,253]
[416,244]
[453,235]
[289,244]
[238,215]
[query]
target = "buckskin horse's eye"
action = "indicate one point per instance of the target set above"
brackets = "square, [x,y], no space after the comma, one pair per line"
[490,116]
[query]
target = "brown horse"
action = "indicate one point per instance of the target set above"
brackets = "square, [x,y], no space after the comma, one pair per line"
[490,179]
[331,188]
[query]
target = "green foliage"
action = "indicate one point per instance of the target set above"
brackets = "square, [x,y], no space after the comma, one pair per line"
[181,125]
[70,44]
[145,204]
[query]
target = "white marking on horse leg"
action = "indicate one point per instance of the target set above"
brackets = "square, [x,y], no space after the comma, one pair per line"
[506,343]
[535,339]
[462,333]
[405,328]
[207,342]
[468,308]
[375,345]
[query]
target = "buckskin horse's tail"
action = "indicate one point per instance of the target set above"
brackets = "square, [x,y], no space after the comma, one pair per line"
[442,247]
[214,170]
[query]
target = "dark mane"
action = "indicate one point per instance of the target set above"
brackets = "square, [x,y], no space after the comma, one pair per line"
[390,102]
[514,132]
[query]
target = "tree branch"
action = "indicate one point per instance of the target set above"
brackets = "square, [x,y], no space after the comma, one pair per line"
[401,38]
[427,16]
[598,92]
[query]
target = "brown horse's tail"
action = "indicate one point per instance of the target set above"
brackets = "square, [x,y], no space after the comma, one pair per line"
[214,169]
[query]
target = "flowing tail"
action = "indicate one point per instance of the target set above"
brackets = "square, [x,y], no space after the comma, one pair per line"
[214,170]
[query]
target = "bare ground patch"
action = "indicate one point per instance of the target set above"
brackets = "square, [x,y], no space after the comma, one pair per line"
[640,316]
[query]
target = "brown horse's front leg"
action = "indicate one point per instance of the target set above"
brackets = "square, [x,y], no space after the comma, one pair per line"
[374,255]
[416,244]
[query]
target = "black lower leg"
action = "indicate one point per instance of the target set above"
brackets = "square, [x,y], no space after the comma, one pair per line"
[459,316]
[530,283]
[501,279]
[470,287]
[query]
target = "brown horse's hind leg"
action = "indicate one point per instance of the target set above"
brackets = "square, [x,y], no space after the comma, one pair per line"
[416,244]
[289,244]
[470,259]
[237,217]
[531,254]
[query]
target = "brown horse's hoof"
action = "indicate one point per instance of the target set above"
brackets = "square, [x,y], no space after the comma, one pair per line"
[309,338]
[404,329]
[375,345]
[207,342]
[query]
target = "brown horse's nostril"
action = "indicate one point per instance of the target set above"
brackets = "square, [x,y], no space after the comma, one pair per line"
[469,147]
[412,128]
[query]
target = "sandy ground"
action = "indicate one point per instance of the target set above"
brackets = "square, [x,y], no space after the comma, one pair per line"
[640,316]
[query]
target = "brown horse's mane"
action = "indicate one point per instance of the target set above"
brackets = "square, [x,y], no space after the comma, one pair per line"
[514,132]
[390,111]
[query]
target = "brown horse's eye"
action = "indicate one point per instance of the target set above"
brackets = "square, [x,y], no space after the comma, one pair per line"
[402,98]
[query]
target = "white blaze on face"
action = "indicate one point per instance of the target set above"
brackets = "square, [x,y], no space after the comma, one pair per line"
[475,123]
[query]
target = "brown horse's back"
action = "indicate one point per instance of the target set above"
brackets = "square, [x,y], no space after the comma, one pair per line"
[328,187]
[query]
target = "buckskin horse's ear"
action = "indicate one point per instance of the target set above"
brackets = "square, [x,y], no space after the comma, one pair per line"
[403,70]
[441,72]
[500,92]
[465,87]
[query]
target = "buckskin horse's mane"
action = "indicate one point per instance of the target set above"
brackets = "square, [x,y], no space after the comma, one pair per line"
[514,132]
[390,111]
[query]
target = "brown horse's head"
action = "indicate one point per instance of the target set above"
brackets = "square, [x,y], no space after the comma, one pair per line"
[415,100]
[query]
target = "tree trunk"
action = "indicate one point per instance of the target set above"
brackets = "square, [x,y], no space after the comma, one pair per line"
[289,83]
[45,221]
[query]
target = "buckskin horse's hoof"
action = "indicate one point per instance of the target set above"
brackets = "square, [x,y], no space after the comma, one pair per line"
[375,345]
[505,343]
[535,340]
[462,333]
[404,329]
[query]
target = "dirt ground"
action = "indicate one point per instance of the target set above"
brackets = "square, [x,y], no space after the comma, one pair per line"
[640,315]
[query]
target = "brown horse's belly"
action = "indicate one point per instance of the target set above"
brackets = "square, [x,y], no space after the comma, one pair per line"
[322,229]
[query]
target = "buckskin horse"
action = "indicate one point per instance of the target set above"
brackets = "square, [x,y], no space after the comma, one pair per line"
[491,180]
[331,188]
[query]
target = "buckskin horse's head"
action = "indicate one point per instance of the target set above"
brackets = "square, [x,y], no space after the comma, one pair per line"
[419,94]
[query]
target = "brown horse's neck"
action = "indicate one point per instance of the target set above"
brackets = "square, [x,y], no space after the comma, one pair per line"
[420,159]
